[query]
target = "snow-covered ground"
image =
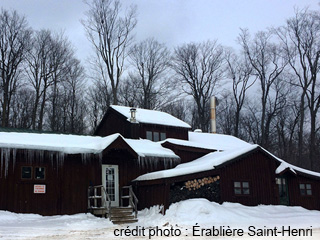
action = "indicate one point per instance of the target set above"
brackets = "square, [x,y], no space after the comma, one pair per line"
[191,219]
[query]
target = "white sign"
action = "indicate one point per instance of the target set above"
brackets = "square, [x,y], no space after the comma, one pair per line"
[39,189]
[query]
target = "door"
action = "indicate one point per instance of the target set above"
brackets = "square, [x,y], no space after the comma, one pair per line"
[110,180]
[283,190]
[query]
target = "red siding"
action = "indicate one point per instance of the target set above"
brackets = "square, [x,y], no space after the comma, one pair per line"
[296,199]
[259,171]
[66,186]
[114,122]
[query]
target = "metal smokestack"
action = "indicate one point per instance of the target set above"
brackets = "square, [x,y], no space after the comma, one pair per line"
[133,115]
[213,114]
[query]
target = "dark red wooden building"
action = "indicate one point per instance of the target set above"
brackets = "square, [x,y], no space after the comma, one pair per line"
[155,153]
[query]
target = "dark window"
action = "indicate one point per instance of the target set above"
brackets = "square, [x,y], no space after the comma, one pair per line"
[156,136]
[26,172]
[305,189]
[163,136]
[241,188]
[39,173]
[149,135]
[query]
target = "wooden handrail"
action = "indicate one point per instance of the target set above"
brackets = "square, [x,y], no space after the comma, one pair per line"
[133,200]
[105,198]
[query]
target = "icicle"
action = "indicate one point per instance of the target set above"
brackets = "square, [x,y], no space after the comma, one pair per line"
[31,155]
[85,157]
[7,160]
[60,159]
[139,161]
[51,158]
[14,156]
[100,157]
[1,162]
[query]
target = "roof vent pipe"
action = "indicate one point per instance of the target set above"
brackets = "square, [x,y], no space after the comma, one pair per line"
[133,115]
[213,114]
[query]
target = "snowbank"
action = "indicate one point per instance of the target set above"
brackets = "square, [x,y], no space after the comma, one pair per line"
[235,215]
[183,216]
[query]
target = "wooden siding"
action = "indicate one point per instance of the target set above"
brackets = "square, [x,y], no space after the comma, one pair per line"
[296,199]
[256,168]
[114,122]
[259,171]
[171,132]
[66,185]
[151,195]
[129,167]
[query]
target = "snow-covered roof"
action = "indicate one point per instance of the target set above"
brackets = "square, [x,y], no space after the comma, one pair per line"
[151,116]
[217,141]
[212,160]
[73,144]
[209,141]
[187,143]
[144,147]
[205,163]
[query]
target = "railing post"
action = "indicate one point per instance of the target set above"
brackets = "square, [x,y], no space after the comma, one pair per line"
[89,198]
[95,200]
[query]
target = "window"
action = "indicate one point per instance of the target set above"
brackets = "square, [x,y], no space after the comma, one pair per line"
[155,136]
[305,189]
[26,172]
[241,188]
[163,136]
[39,173]
[149,135]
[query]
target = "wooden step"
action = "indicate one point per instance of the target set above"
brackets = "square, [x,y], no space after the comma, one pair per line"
[122,215]
[99,211]
[124,221]
[115,218]
[121,209]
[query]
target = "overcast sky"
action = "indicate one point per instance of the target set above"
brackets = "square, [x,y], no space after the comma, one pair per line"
[172,22]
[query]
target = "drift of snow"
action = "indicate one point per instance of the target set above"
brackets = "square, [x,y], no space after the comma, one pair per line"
[151,116]
[179,216]
[235,215]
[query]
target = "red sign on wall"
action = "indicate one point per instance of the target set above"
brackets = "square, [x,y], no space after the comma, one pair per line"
[39,189]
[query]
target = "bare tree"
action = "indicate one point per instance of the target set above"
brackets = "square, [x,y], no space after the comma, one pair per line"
[74,89]
[98,99]
[199,68]
[14,42]
[21,108]
[110,33]
[301,43]
[268,65]
[38,72]
[239,70]
[150,61]
[62,59]
[46,68]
